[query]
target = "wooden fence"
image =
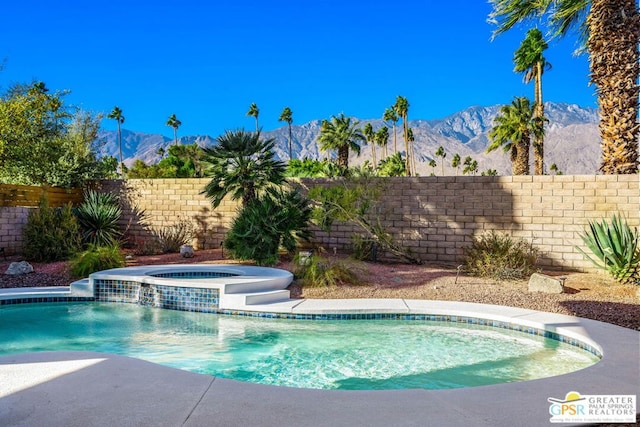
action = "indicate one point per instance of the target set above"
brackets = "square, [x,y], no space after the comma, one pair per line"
[29,196]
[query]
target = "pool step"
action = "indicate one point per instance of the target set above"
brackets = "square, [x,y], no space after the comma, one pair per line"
[252,285]
[81,288]
[239,301]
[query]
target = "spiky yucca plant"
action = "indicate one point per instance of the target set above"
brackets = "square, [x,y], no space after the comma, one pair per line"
[98,217]
[615,247]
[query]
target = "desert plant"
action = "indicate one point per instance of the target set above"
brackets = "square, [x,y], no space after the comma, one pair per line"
[98,217]
[615,247]
[51,234]
[171,237]
[277,219]
[317,271]
[96,258]
[501,257]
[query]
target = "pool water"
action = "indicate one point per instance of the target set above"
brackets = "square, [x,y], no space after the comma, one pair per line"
[350,355]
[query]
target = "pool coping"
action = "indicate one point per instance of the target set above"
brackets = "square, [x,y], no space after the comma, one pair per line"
[81,392]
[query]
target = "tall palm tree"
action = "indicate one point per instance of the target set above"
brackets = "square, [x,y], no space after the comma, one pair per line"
[514,127]
[254,111]
[175,124]
[370,138]
[390,115]
[287,116]
[442,154]
[402,110]
[382,139]
[241,164]
[455,162]
[116,114]
[530,61]
[610,31]
[342,135]
[411,139]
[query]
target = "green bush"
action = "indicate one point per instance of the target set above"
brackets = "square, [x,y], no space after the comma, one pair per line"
[96,258]
[170,238]
[317,271]
[501,257]
[615,248]
[98,217]
[51,234]
[276,219]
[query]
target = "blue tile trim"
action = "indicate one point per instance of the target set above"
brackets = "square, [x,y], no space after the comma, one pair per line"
[30,300]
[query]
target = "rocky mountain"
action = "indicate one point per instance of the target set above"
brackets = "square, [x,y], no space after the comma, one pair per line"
[571,141]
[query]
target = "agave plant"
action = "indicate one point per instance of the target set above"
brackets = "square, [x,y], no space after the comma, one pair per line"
[98,216]
[615,248]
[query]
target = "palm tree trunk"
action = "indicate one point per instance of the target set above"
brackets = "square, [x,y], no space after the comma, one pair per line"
[120,150]
[538,114]
[290,144]
[614,27]
[521,158]
[395,141]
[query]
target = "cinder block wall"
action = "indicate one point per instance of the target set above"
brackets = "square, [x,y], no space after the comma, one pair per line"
[437,217]
[12,221]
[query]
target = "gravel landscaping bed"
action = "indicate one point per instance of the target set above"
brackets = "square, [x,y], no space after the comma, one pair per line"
[589,295]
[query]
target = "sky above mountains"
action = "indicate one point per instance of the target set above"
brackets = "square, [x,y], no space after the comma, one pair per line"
[207,62]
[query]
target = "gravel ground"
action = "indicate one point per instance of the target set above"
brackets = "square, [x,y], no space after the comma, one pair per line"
[589,295]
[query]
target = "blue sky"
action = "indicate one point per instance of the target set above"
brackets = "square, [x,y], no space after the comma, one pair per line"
[207,61]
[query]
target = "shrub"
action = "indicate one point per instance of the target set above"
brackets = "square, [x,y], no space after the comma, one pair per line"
[317,271]
[615,247]
[278,218]
[501,257]
[98,216]
[51,234]
[170,238]
[96,258]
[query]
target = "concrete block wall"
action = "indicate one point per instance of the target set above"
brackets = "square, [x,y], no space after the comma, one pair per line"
[437,217]
[12,221]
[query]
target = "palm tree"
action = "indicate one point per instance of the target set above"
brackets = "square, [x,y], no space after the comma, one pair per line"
[382,139]
[342,135]
[432,163]
[514,127]
[254,111]
[116,114]
[175,124]
[529,60]
[370,138]
[455,162]
[390,115]
[442,154]
[610,31]
[401,108]
[287,116]
[411,139]
[241,164]
[470,166]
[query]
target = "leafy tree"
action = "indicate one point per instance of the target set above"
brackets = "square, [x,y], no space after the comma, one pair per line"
[175,124]
[254,111]
[370,138]
[402,109]
[393,165]
[390,115]
[287,116]
[489,172]
[241,164]
[311,168]
[442,154]
[455,162]
[530,61]
[116,114]
[610,31]
[342,135]
[514,126]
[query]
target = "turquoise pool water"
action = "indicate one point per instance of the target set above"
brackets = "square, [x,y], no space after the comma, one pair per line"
[353,355]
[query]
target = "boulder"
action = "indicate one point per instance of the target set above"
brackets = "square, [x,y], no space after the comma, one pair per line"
[547,284]
[18,268]
[186,251]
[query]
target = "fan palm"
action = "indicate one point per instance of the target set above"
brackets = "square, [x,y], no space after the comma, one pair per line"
[370,138]
[442,154]
[390,115]
[529,60]
[342,135]
[254,111]
[242,164]
[116,114]
[610,31]
[287,116]
[514,126]
[382,139]
[402,110]
[175,124]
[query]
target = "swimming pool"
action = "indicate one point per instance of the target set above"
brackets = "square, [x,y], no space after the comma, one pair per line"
[327,354]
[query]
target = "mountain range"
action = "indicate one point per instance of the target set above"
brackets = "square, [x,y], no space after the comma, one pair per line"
[572,141]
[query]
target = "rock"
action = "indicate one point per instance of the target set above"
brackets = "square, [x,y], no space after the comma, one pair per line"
[186,251]
[19,268]
[543,283]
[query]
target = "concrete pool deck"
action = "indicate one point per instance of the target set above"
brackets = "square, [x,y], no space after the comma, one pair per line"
[94,389]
